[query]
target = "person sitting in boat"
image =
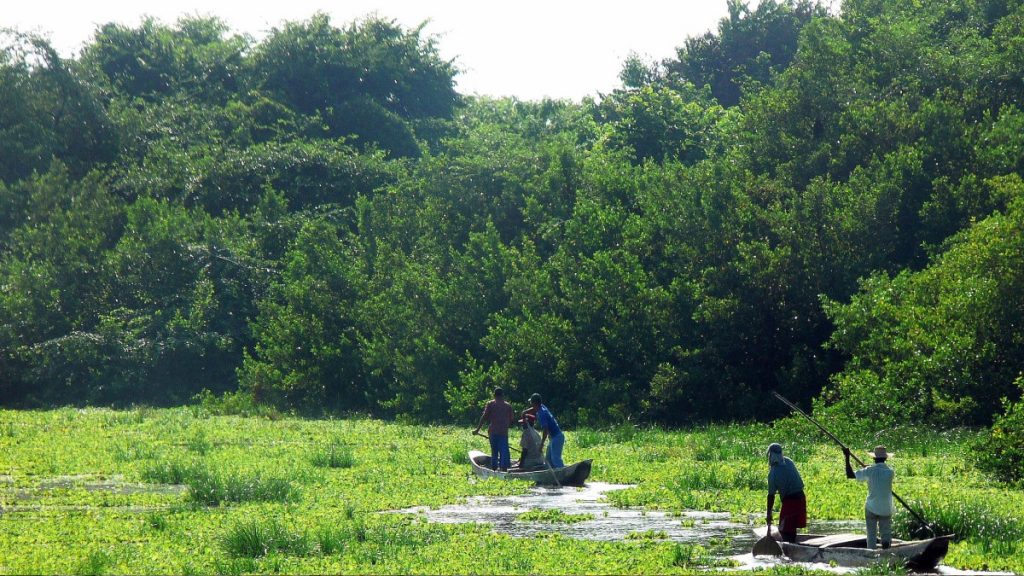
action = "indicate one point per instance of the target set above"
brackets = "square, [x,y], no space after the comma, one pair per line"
[549,429]
[500,416]
[878,508]
[784,479]
[531,457]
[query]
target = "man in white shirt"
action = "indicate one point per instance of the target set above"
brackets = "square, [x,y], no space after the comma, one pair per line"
[878,508]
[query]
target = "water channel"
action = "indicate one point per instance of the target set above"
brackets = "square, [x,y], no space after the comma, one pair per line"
[611,523]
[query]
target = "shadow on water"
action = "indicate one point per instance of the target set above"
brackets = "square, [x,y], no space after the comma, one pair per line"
[605,522]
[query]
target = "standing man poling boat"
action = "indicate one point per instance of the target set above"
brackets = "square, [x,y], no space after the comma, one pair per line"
[784,478]
[879,507]
[500,416]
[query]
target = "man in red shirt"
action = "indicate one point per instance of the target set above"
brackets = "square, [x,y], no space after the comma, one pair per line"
[500,417]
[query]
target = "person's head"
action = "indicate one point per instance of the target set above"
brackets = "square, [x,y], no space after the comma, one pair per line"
[879,454]
[535,399]
[499,393]
[775,454]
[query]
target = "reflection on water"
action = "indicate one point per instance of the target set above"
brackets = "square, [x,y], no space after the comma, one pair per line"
[611,523]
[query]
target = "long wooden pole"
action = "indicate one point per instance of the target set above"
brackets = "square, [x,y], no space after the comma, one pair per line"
[859,462]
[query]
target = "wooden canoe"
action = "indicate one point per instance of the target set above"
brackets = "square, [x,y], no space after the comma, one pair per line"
[850,550]
[572,475]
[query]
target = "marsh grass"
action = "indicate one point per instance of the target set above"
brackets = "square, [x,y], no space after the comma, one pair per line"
[95,563]
[624,433]
[393,538]
[157,521]
[587,438]
[259,537]
[720,477]
[883,569]
[968,520]
[553,516]
[694,556]
[332,540]
[458,454]
[198,443]
[237,567]
[648,535]
[333,455]
[211,488]
[132,452]
[214,488]
[169,472]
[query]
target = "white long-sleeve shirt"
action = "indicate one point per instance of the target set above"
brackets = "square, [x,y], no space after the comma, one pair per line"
[879,480]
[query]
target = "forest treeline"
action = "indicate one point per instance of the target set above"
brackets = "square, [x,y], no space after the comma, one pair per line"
[827,205]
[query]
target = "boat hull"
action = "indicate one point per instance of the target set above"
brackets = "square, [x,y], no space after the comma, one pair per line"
[572,475]
[850,550]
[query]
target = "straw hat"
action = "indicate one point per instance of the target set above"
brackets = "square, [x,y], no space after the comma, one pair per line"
[880,453]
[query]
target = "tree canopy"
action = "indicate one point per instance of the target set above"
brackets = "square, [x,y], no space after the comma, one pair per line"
[823,204]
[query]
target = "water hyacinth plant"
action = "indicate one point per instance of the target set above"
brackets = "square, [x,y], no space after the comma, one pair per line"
[84,492]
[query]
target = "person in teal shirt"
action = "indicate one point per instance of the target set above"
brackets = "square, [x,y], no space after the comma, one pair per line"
[784,479]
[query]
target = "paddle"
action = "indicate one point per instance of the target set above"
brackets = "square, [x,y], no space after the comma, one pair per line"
[859,462]
[767,545]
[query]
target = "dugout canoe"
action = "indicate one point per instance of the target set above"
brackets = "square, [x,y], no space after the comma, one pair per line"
[850,550]
[572,475]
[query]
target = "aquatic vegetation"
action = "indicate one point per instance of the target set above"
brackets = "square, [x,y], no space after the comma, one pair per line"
[985,518]
[648,535]
[98,491]
[258,537]
[95,563]
[554,516]
[333,455]
[214,488]
[694,556]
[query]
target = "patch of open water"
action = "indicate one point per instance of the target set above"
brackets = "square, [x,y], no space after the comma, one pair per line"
[610,523]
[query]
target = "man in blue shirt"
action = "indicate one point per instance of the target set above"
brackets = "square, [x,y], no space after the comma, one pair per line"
[784,478]
[549,429]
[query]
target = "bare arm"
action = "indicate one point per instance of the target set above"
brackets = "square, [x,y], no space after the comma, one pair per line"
[483,417]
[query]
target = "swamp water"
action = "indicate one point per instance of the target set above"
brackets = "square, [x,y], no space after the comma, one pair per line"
[605,522]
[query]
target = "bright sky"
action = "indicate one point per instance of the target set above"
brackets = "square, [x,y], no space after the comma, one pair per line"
[527,48]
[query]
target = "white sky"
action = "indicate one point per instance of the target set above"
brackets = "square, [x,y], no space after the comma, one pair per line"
[525,48]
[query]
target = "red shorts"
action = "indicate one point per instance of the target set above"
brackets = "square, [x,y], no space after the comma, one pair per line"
[793,514]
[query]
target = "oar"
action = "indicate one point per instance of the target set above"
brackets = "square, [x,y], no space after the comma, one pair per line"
[859,462]
[767,545]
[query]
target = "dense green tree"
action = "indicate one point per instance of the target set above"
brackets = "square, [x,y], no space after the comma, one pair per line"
[194,59]
[749,47]
[661,123]
[372,80]
[47,111]
[941,344]
[306,353]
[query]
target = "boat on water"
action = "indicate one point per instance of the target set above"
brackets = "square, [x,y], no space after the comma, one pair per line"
[850,550]
[572,475]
